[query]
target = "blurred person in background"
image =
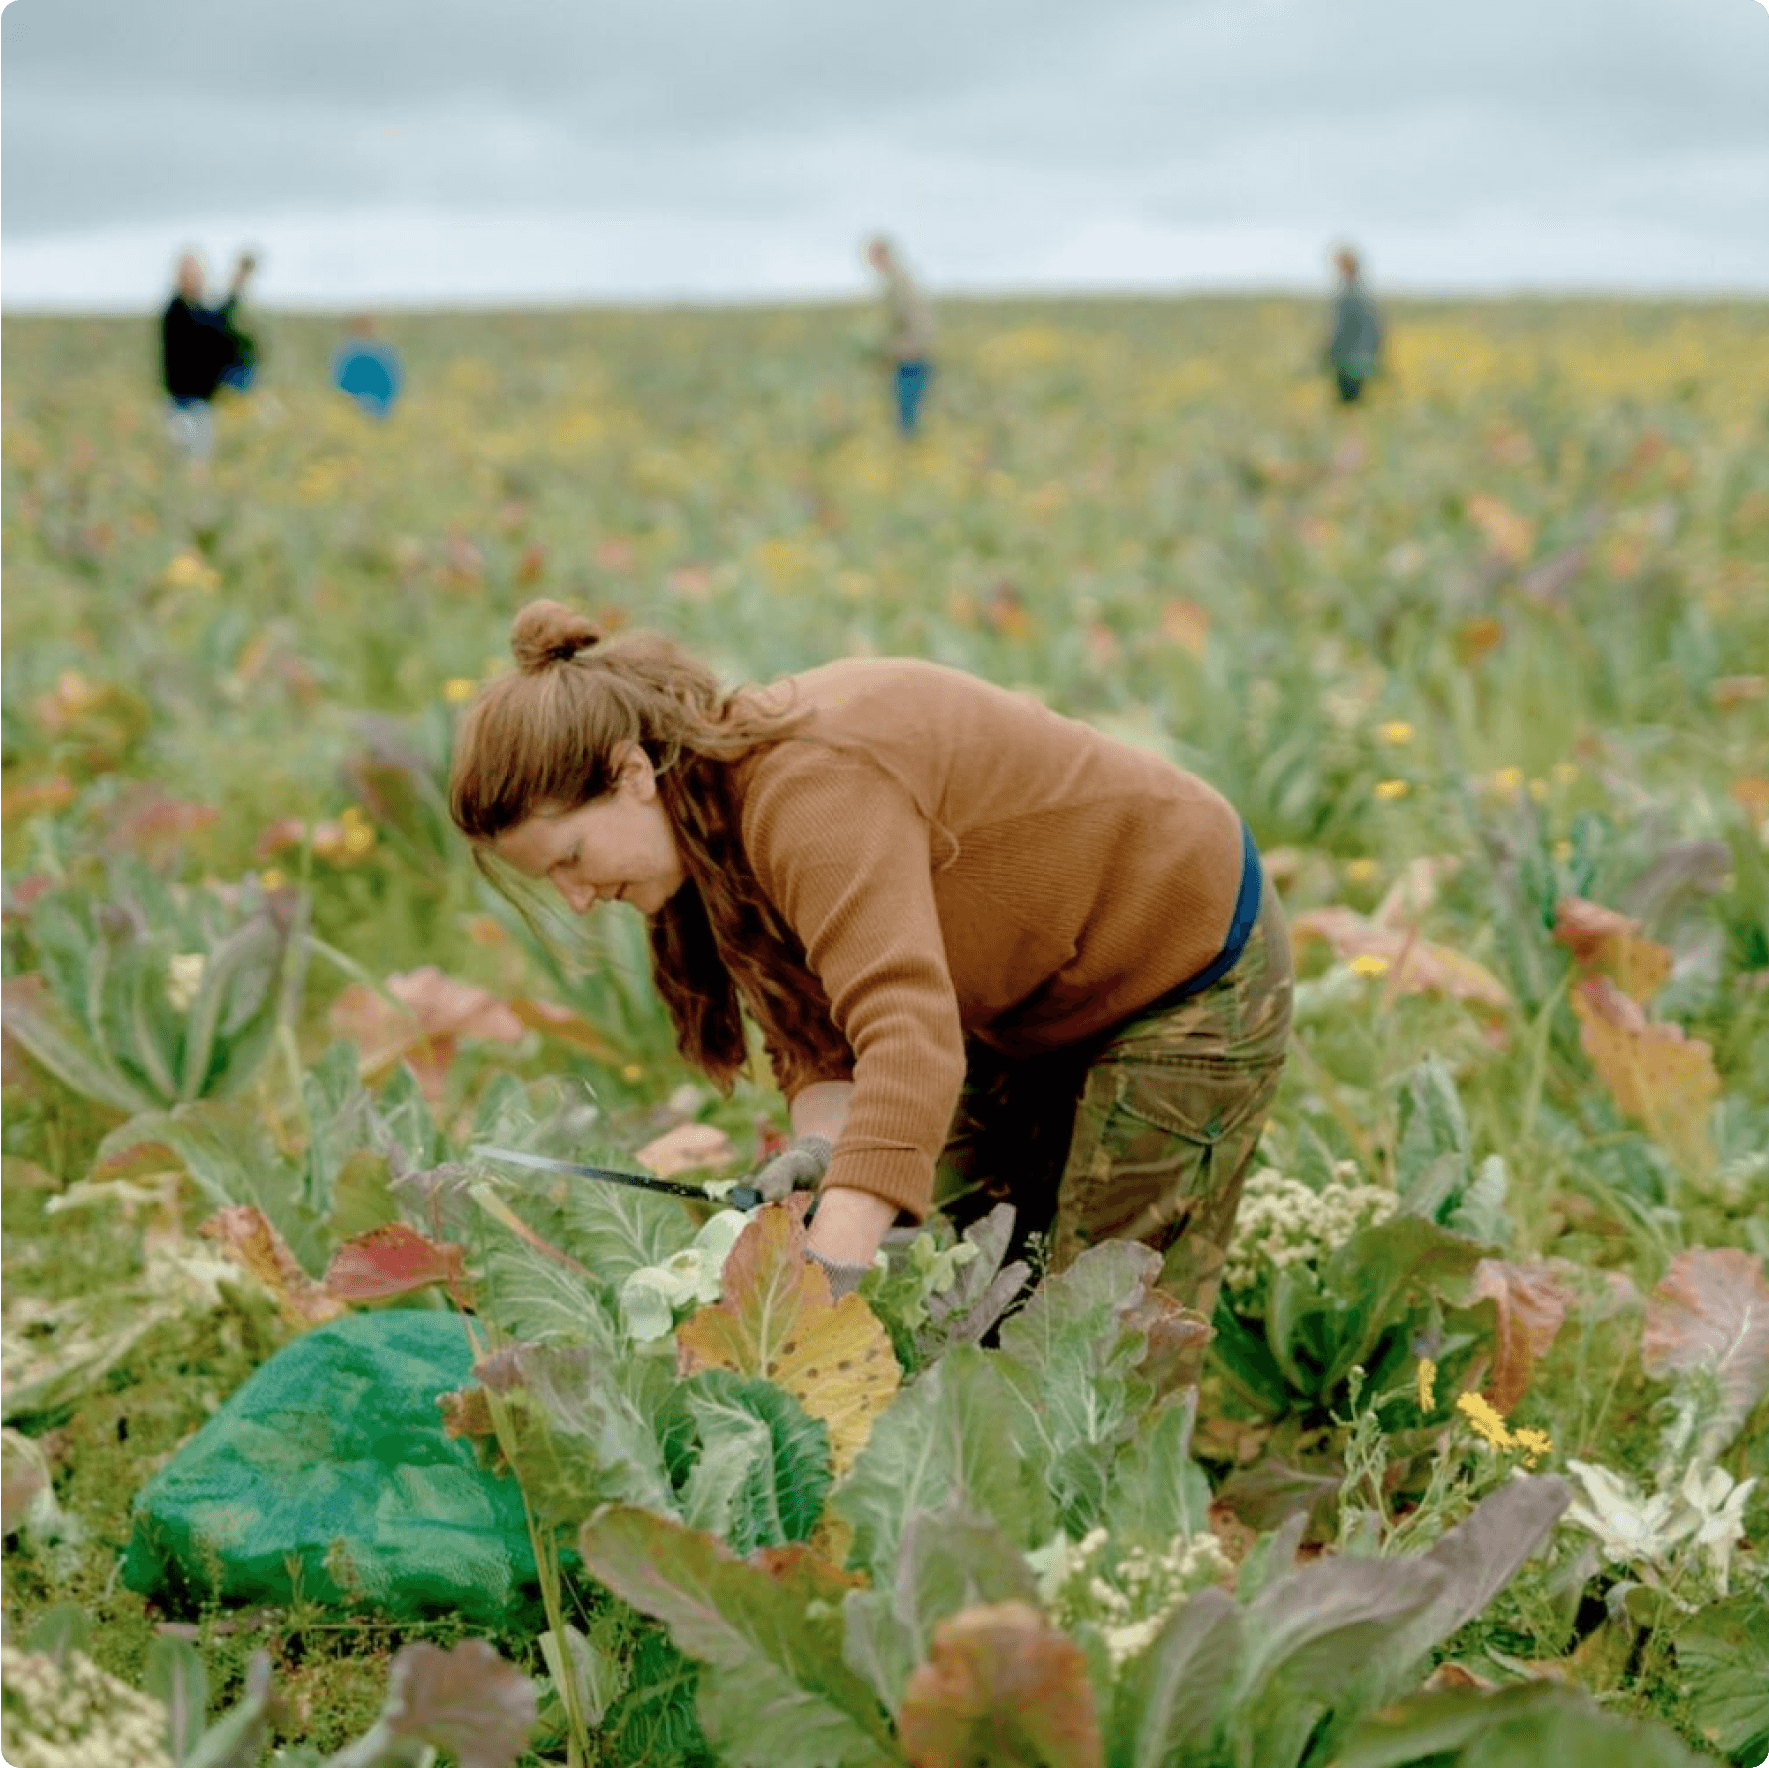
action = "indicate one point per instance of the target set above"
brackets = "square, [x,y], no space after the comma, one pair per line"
[367,369]
[1354,342]
[908,343]
[995,954]
[202,349]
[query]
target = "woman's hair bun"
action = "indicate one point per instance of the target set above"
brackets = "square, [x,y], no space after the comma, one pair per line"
[549,632]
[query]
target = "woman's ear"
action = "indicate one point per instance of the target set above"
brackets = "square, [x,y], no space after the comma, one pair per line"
[637,778]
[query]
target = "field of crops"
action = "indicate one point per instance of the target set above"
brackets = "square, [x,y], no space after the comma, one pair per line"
[1478,1471]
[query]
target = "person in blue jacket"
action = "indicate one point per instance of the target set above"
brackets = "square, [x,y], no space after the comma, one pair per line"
[202,349]
[366,369]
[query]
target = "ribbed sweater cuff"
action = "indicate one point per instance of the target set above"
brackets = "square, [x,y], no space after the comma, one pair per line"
[900,1176]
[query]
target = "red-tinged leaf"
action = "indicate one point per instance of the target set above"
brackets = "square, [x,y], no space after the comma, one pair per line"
[1605,942]
[1656,1073]
[428,1014]
[467,1701]
[277,837]
[154,824]
[687,1148]
[776,1320]
[247,1235]
[393,1259]
[1002,1688]
[1416,966]
[1531,1304]
[1712,1305]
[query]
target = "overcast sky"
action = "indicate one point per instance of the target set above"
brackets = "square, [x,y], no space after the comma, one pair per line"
[433,151]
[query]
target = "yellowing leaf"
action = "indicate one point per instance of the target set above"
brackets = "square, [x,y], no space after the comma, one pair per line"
[776,1320]
[1656,1073]
[1187,624]
[1002,1688]
[561,1024]
[245,1232]
[1416,966]
[1478,636]
[1511,536]
[1752,791]
[1606,942]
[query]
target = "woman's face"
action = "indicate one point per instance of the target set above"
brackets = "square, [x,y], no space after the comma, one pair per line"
[620,847]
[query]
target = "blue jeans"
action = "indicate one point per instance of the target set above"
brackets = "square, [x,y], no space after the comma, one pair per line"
[912,385]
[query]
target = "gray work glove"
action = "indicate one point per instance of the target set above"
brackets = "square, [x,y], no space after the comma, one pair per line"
[844,1279]
[799,1166]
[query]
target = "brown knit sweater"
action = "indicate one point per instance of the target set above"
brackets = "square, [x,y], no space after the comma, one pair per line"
[958,859]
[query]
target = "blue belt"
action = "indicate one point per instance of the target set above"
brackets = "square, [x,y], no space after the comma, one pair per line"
[1240,929]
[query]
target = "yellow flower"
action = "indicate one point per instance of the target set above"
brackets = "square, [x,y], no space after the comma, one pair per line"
[1508,779]
[459,689]
[1563,773]
[1396,731]
[1369,964]
[189,570]
[1533,1443]
[1562,851]
[1538,790]
[271,878]
[1388,790]
[1487,1422]
[632,1072]
[1360,871]
[1427,1377]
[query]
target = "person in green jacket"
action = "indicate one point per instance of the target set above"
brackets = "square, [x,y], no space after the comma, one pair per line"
[1354,344]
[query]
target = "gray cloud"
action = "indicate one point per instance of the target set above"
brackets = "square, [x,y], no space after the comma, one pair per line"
[996,128]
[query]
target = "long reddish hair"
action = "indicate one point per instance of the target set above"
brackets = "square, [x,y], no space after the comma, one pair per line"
[550,737]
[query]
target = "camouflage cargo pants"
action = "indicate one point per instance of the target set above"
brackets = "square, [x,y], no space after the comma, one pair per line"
[1146,1135]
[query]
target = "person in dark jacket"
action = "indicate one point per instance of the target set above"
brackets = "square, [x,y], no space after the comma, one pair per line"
[201,349]
[1354,346]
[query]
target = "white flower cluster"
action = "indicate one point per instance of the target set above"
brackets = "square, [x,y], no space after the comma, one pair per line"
[689,1278]
[74,1715]
[184,978]
[1282,1222]
[1133,1601]
[1703,1512]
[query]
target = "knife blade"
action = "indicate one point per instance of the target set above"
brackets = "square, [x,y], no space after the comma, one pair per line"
[738,1197]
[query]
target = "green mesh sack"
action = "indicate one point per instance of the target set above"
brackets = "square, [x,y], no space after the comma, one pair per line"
[327,1476]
